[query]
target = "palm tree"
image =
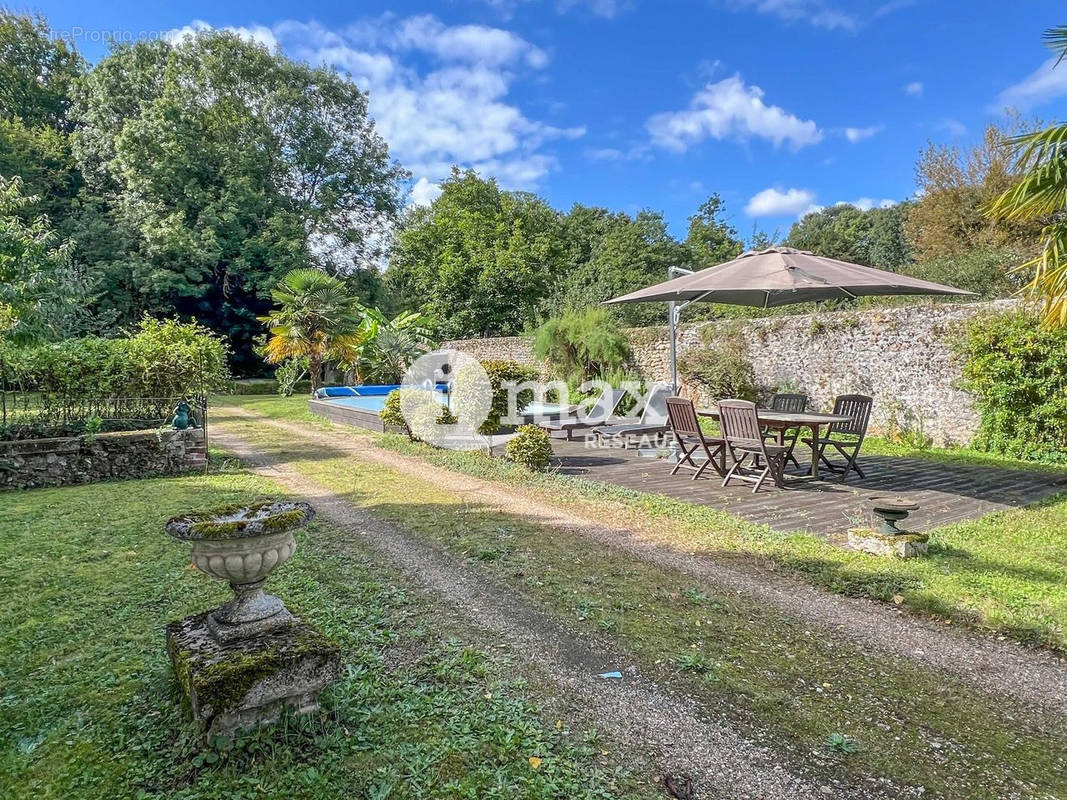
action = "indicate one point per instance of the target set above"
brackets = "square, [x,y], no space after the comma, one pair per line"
[1041,194]
[318,317]
[390,345]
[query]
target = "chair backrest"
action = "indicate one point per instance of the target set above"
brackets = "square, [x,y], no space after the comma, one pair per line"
[683,417]
[739,421]
[857,407]
[655,410]
[795,403]
[604,406]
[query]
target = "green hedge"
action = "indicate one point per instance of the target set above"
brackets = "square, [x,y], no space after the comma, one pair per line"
[1017,371]
[159,358]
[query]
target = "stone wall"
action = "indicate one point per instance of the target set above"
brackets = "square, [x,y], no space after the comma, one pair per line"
[129,454]
[505,348]
[903,357]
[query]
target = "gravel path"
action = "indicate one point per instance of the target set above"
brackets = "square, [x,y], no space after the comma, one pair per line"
[721,761]
[996,666]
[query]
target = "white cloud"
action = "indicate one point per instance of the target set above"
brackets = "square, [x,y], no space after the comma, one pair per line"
[447,105]
[424,192]
[915,88]
[255,33]
[1045,83]
[953,127]
[470,43]
[631,153]
[823,13]
[775,203]
[598,8]
[731,109]
[867,203]
[605,153]
[859,134]
[814,12]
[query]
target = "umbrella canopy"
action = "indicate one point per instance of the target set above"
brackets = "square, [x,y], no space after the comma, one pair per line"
[782,276]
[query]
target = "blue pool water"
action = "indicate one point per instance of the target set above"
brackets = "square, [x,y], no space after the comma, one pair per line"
[373,403]
[366,398]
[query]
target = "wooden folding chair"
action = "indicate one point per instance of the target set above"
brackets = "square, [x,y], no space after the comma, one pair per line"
[687,432]
[794,403]
[857,407]
[744,438]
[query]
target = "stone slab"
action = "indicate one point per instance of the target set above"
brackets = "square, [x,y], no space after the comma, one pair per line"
[902,545]
[248,682]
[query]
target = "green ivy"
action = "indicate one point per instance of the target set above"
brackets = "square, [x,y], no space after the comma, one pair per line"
[1017,371]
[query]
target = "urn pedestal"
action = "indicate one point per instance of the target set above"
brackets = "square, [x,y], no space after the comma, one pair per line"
[243,663]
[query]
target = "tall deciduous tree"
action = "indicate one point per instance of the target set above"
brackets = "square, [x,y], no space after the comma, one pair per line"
[1040,196]
[37,71]
[955,186]
[480,261]
[227,165]
[874,237]
[615,254]
[711,239]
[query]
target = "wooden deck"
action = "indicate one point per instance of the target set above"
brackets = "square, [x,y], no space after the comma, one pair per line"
[946,493]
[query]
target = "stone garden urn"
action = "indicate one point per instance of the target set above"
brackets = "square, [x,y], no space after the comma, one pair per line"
[888,539]
[242,545]
[244,662]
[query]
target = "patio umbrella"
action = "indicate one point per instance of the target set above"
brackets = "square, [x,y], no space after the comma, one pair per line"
[777,276]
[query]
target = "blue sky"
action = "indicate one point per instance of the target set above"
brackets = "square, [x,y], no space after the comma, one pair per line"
[777,105]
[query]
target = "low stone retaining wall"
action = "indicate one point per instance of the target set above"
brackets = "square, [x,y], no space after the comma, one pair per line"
[128,454]
[902,357]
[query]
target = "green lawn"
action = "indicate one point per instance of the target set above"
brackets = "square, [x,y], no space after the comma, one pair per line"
[1002,573]
[793,686]
[89,707]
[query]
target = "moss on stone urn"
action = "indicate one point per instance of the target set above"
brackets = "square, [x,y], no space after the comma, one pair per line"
[242,545]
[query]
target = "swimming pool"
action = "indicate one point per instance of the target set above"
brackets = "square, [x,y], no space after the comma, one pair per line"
[358,405]
[373,403]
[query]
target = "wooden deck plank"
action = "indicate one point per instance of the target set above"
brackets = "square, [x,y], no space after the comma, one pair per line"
[947,493]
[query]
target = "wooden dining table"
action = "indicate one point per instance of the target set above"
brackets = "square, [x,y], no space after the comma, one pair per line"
[781,421]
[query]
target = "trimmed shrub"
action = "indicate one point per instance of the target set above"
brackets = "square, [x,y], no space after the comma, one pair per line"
[1017,371]
[422,410]
[530,447]
[159,358]
[468,391]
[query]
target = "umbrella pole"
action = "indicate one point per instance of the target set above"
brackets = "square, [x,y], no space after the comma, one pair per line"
[672,325]
[673,312]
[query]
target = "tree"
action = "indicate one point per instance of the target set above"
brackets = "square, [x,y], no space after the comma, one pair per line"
[956,186]
[874,237]
[37,71]
[1040,197]
[711,239]
[318,318]
[480,261]
[40,293]
[582,344]
[226,166]
[614,253]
